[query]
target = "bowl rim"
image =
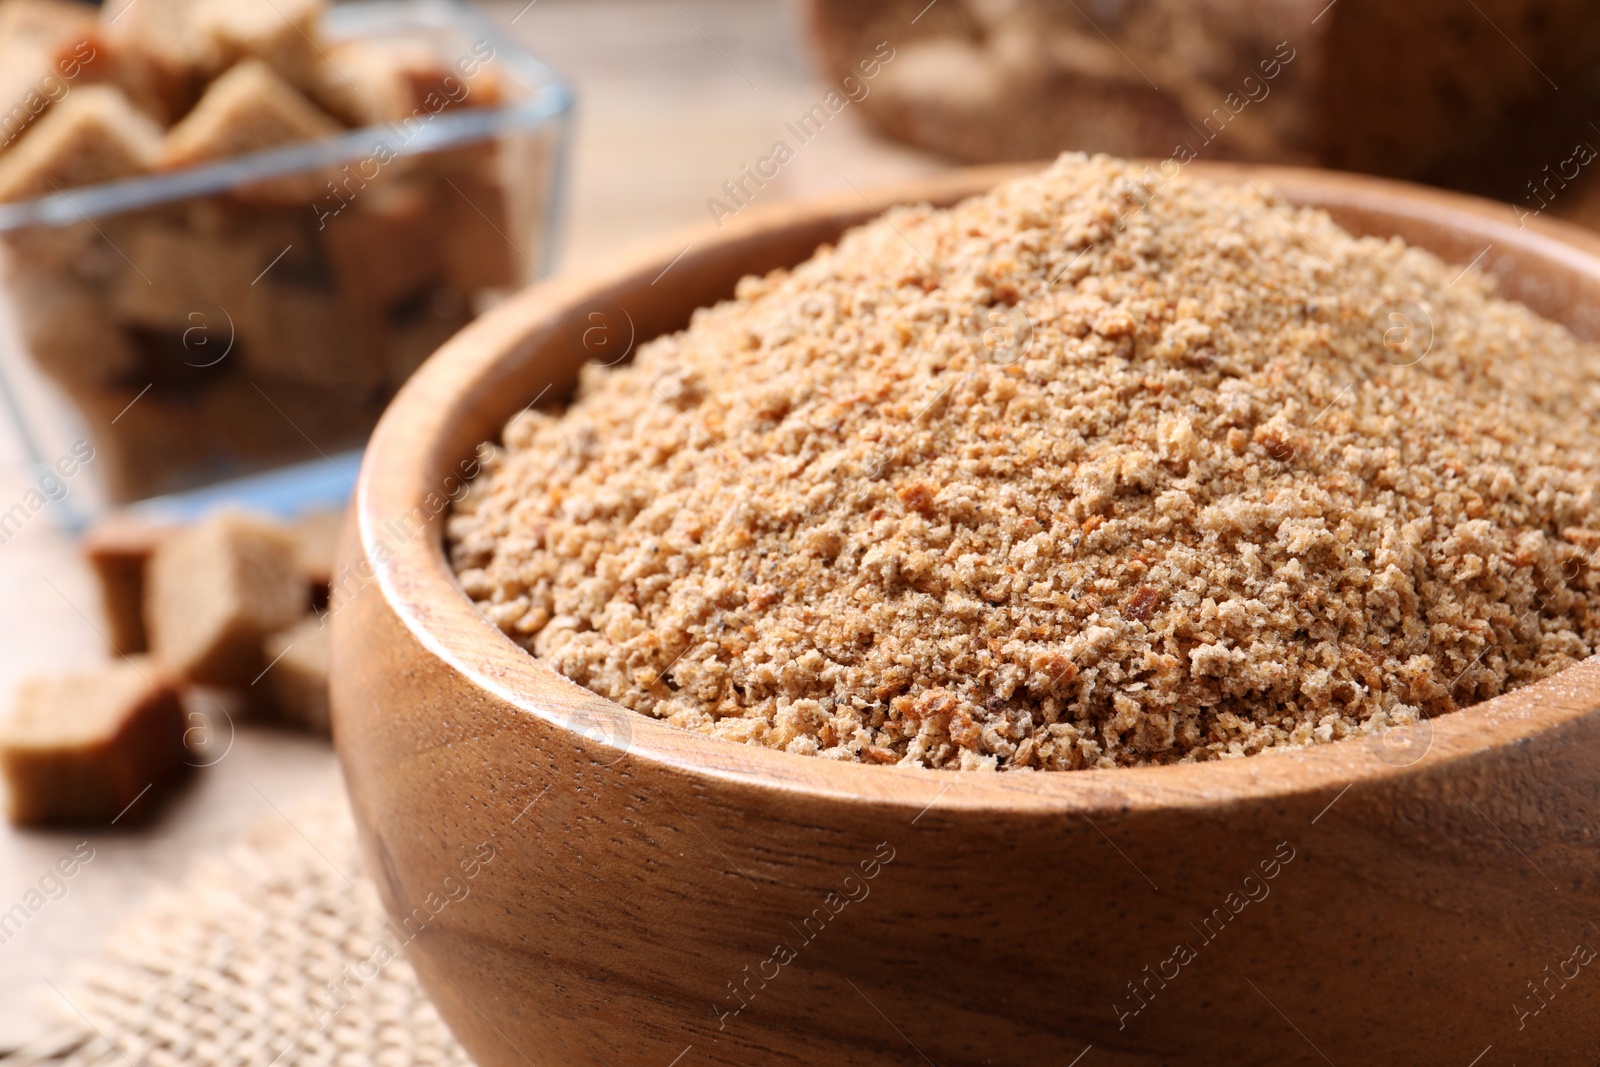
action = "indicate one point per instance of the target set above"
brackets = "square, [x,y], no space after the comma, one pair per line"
[418,586]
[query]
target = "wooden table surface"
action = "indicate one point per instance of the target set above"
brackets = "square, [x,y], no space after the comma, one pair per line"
[675,96]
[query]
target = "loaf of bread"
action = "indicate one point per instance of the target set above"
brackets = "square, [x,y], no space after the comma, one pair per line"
[1414,90]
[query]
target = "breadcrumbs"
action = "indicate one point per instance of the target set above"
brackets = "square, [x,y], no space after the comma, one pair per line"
[1058,478]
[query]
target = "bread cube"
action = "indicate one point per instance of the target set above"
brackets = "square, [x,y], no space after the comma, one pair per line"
[42,45]
[369,82]
[261,420]
[215,590]
[475,230]
[313,337]
[383,246]
[94,135]
[280,33]
[118,548]
[248,109]
[136,74]
[316,537]
[46,22]
[299,673]
[67,331]
[163,32]
[83,746]
[145,444]
[175,271]
[48,47]
[74,249]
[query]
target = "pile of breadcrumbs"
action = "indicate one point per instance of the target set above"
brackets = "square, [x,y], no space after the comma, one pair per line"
[1053,480]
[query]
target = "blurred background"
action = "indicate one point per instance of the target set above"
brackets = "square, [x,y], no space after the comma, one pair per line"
[231,232]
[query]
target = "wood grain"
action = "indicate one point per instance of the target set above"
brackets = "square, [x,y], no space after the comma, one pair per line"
[649,881]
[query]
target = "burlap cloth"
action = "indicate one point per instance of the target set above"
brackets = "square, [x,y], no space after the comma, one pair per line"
[257,957]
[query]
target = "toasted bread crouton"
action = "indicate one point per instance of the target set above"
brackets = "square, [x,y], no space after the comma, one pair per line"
[94,135]
[84,746]
[248,109]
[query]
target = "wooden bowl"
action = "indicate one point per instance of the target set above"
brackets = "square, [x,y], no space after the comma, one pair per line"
[578,884]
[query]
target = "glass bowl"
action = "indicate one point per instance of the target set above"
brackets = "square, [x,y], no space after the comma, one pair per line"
[193,326]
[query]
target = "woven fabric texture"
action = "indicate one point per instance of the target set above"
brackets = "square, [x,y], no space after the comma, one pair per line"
[270,955]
